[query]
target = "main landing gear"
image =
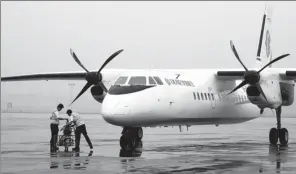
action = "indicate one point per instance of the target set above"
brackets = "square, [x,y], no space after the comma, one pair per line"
[278,133]
[131,142]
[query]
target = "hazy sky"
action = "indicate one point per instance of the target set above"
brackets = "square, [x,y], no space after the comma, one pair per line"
[36,37]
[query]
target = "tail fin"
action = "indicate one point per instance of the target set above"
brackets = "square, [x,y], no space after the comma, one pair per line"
[264,53]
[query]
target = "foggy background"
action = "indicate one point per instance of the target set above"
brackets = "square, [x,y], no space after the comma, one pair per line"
[37,36]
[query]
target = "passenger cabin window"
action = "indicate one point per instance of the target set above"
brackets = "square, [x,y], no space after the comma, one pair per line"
[158,80]
[205,96]
[121,80]
[137,80]
[152,81]
[201,94]
[194,96]
[198,96]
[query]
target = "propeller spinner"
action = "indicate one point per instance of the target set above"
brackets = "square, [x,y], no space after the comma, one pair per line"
[93,78]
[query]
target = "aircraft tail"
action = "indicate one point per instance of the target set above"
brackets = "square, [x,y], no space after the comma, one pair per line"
[264,52]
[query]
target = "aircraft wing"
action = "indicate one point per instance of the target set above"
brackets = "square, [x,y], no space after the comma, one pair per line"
[231,75]
[47,76]
[285,74]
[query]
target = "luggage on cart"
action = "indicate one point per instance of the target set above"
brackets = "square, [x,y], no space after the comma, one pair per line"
[68,137]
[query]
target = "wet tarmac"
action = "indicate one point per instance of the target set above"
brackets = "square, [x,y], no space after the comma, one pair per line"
[241,148]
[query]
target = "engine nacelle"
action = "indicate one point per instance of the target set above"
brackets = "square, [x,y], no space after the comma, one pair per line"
[255,96]
[98,93]
[287,92]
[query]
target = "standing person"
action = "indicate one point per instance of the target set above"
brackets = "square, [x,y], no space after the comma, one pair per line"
[54,127]
[80,128]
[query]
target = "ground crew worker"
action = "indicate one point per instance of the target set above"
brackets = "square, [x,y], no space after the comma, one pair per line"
[80,128]
[54,127]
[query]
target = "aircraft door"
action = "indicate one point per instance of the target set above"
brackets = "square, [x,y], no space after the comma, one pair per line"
[213,98]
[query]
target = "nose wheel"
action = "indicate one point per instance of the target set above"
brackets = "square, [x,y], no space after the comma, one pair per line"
[278,133]
[130,138]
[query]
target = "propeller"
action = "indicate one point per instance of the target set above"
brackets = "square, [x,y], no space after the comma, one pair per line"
[93,78]
[252,77]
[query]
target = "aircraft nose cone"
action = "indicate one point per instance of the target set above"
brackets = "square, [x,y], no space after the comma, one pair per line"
[114,112]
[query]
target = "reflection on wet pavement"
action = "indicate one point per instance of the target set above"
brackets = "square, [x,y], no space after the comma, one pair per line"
[78,163]
[203,149]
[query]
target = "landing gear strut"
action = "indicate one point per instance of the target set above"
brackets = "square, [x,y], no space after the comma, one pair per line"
[130,140]
[278,133]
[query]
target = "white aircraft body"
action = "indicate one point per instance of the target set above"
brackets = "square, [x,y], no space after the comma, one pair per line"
[174,97]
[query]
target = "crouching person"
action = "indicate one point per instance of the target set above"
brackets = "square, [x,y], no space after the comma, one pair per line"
[80,129]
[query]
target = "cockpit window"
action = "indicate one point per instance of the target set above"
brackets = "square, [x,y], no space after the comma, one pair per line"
[137,80]
[158,80]
[152,81]
[121,80]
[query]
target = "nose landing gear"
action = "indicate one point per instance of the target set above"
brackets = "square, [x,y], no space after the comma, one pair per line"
[130,141]
[278,133]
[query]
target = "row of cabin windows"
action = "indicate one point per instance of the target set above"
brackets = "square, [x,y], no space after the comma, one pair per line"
[203,96]
[222,97]
[139,80]
[178,82]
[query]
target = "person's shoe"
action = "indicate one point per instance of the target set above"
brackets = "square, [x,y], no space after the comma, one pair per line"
[56,148]
[76,149]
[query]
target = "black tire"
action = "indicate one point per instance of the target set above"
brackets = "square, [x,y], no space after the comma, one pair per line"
[127,153]
[127,143]
[273,136]
[122,142]
[284,136]
[139,144]
[139,133]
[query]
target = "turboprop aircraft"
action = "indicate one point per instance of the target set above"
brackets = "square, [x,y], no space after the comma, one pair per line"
[173,97]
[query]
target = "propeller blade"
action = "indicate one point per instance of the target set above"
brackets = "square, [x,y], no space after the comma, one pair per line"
[260,89]
[261,36]
[109,59]
[274,60]
[243,83]
[77,60]
[236,55]
[103,86]
[87,85]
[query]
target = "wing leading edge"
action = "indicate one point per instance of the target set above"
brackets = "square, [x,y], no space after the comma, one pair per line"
[239,75]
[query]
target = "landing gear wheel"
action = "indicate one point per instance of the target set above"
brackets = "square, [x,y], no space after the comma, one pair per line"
[283,136]
[127,143]
[273,136]
[139,133]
